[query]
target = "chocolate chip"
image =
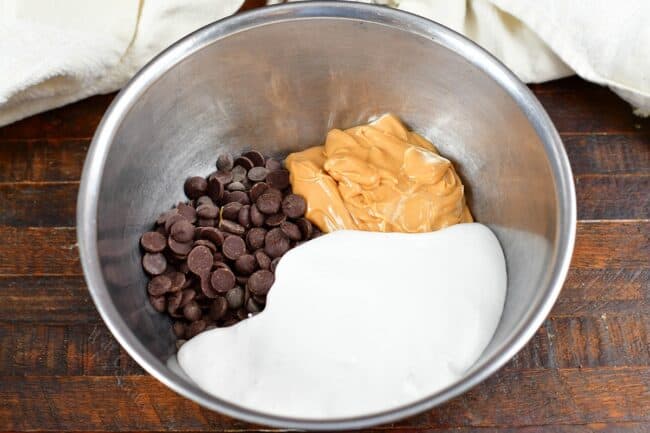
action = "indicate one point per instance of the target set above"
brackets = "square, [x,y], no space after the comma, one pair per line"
[212,234]
[275,191]
[224,177]
[206,243]
[183,268]
[242,161]
[218,308]
[255,238]
[206,287]
[252,307]
[199,297]
[260,282]
[245,264]
[291,230]
[215,188]
[257,217]
[294,206]
[236,186]
[179,329]
[173,219]
[188,296]
[242,314]
[219,265]
[276,219]
[244,216]
[260,300]
[257,190]
[225,198]
[276,243]
[237,196]
[235,297]
[192,311]
[239,173]
[178,280]
[154,263]
[207,211]
[178,314]
[230,211]
[204,199]
[200,260]
[269,202]
[195,187]
[273,164]
[278,178]
[158,303]
[159,285]
[187,211]
[229,319]
[206,222]
[196,328]
[257,174]
[241,280]
[174,301]
[263,261]
[182,231]
[153,242]
[233,247]
[181,249]
[190,280]
[255,157]
[232,227]
[222,280]
[305,227]
[274,264]
[225,162]
[218,257]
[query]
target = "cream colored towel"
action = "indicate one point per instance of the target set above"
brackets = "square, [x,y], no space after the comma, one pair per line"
[53,52]
[604,41]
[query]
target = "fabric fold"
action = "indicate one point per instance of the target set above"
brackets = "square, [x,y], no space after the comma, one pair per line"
[54,53]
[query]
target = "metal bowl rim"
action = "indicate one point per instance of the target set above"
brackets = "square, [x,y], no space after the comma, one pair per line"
[437,33]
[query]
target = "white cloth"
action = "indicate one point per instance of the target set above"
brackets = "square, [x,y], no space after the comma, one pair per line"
[604,41]
[53,52]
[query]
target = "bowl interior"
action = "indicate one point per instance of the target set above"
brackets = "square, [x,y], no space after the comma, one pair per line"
[278,86]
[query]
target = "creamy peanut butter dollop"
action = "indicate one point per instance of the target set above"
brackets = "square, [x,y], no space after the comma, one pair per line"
[378,177]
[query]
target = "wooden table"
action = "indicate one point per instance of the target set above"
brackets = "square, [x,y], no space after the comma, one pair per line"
[587,368]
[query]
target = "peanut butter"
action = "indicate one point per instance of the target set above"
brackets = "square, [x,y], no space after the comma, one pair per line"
[378,177]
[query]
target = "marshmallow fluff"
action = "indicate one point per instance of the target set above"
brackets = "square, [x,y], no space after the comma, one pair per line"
[359,322]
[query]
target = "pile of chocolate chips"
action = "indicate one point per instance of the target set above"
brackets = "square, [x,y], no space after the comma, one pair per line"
[212,259]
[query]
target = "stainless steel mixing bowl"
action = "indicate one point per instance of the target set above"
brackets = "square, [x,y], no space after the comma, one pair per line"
[276,79]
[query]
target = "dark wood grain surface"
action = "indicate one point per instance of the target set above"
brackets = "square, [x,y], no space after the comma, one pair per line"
[586,369]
